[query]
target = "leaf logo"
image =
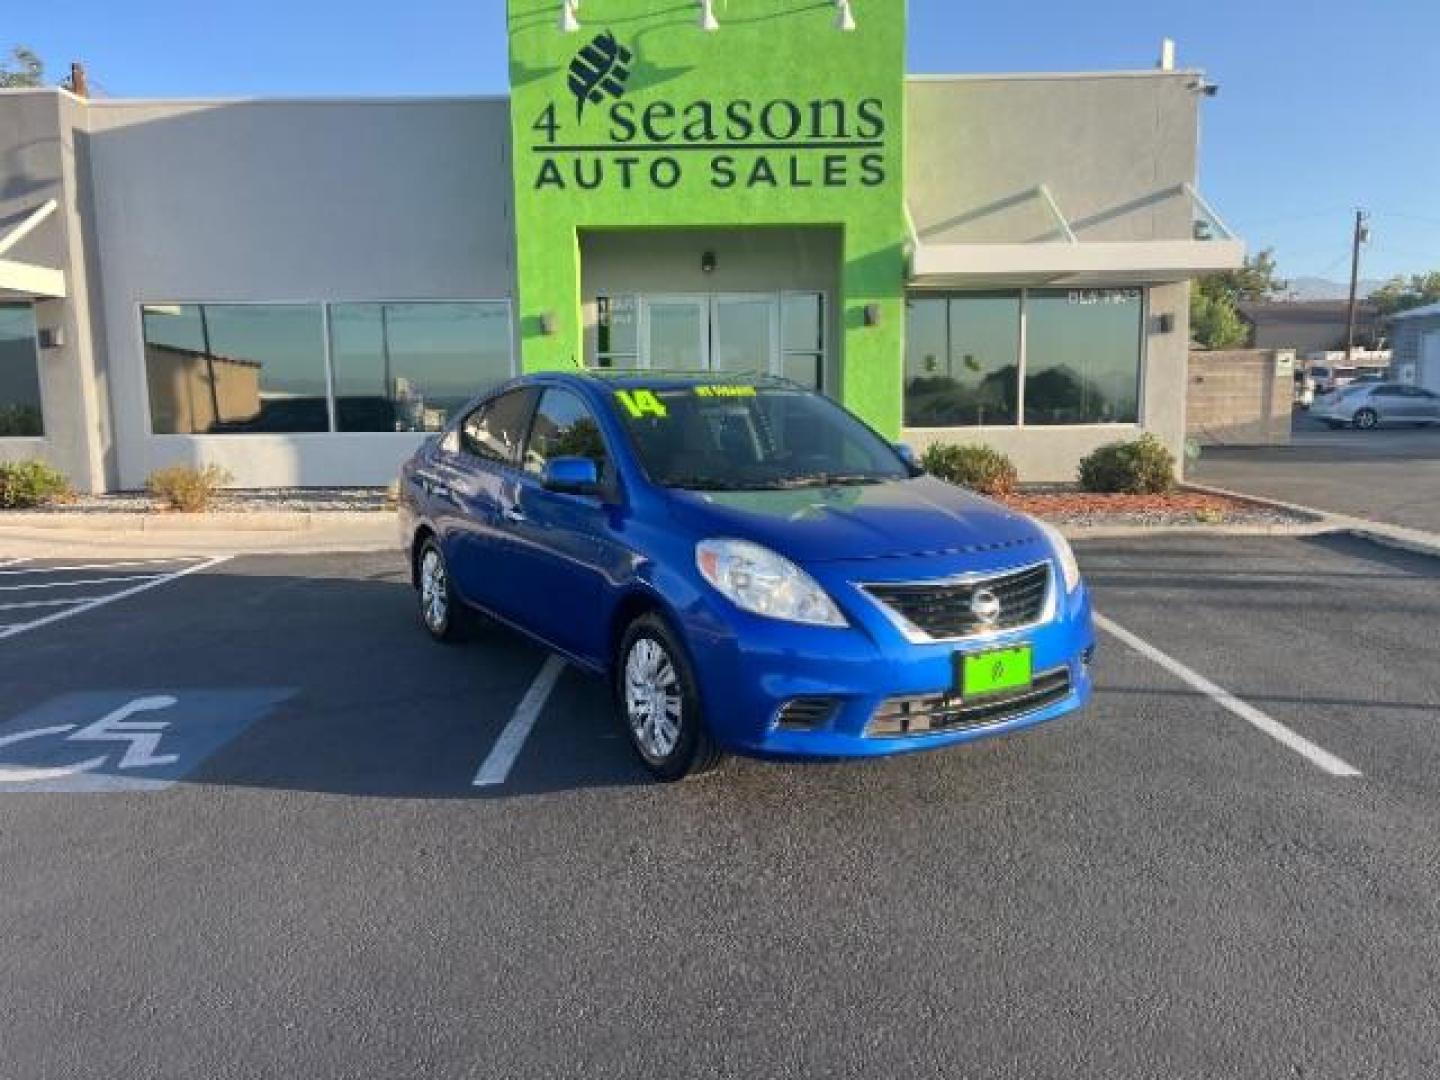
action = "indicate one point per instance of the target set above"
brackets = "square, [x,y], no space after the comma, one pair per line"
[599,70]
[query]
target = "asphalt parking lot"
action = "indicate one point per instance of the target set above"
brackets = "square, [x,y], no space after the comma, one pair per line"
[1388,474]
[289,869]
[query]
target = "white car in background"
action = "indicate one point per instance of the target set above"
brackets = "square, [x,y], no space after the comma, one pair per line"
[1370,405]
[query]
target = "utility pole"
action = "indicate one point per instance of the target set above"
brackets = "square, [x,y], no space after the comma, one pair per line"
[1362,233]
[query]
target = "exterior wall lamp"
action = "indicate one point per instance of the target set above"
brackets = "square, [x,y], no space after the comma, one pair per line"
[844,17]
[547,323]
[569,16]
[708,262]
[872,314]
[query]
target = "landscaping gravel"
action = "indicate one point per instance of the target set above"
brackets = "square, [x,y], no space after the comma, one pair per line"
[1067,505]
[266,500]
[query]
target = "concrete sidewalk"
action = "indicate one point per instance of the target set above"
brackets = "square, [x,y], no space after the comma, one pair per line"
[42,535]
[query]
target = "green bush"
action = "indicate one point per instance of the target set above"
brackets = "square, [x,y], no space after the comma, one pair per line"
[1141,467]
[187,489]
[25,484]
[980,468]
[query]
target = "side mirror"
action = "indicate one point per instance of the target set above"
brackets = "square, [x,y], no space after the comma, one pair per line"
[907,455]
[571,476]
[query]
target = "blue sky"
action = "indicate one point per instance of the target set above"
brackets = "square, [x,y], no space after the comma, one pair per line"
[1324,105]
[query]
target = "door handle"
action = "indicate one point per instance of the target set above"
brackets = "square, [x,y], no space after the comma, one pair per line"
[515,514]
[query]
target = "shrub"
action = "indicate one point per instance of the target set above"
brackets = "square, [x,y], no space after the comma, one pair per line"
[25,484]
[1141,467]
[187,489]
[980,468]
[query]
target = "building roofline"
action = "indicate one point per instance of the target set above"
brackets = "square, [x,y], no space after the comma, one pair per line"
[332,99]
[987,76]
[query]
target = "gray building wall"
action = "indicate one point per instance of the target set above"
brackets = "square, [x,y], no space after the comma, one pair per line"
[1408,340]
[42,161]
[1113,149]
[271,201]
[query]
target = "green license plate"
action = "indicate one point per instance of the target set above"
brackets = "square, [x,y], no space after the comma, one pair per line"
[995,671]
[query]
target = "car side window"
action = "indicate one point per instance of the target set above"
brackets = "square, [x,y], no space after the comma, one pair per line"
[494,430]
[565,426]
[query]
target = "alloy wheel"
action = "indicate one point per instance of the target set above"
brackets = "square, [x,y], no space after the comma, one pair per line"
[434,591]
[653,704]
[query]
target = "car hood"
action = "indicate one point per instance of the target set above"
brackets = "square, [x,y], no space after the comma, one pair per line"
[923,516]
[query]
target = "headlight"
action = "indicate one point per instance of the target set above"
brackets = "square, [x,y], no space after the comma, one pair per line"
[757,580]
[1068,566]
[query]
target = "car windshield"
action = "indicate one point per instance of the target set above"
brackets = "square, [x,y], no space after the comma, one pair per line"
[739,437]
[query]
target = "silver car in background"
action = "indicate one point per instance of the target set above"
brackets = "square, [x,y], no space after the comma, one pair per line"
[1370,405]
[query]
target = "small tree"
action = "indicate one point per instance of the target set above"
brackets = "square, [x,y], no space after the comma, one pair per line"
[22,69]
[1401,294]
[1215,322]
[1214,300]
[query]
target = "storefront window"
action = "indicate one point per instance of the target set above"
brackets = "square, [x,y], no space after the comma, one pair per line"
[1080,359]
[19,373]
[413,366]
[1082,363]
[617,331]
[802,338]
[962,358]
[235,368]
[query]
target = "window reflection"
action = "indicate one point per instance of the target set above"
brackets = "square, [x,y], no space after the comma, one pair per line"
[1082,356]
[412,366]
[961,360]
[19,373]
[230,368]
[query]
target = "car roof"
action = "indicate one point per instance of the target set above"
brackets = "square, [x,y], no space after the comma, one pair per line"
[659,379]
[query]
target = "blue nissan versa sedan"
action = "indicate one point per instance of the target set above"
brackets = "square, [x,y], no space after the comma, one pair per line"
[755,569]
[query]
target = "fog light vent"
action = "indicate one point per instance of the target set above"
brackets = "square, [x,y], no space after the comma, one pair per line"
[805,713]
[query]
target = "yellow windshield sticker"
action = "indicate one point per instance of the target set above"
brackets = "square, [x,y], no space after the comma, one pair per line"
[724,391]
[642,403]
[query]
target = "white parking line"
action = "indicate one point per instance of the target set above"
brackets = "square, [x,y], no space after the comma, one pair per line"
[26,604]
[507,747]
[94,566]
[88,581]
[149,581]
[1222,697]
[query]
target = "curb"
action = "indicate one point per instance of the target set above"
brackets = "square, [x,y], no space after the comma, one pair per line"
[220,523]
[1399,537]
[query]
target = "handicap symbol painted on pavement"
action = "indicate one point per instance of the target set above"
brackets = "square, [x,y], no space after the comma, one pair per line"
[122,740]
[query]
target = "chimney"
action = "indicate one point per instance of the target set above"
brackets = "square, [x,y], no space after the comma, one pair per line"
[79,86]
[1167,55]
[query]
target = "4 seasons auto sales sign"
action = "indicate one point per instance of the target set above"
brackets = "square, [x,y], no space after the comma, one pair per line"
[610,139]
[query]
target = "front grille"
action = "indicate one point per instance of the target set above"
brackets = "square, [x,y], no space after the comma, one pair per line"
[804,713]
[942,609]
[922,714]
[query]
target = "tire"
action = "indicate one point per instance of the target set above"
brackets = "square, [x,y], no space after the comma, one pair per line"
[653,680]
[1366,419]
[440,609]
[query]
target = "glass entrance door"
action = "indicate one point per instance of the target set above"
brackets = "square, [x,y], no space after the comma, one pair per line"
[676,333]
[744,333]
[760,333]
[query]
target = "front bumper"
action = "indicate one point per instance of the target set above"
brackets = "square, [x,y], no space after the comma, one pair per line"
[748,667]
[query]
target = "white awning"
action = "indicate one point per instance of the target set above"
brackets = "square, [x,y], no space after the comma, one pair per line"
[26,280]
[1064,259]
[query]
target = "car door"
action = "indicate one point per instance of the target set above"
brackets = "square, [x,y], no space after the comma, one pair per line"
[1393,403]
[566,547]
[472,485]
[1425,404]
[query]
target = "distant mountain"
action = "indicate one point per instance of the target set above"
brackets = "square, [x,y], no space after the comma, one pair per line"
[1314,288]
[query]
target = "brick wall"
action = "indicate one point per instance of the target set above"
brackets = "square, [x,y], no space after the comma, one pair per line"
[1237,398]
